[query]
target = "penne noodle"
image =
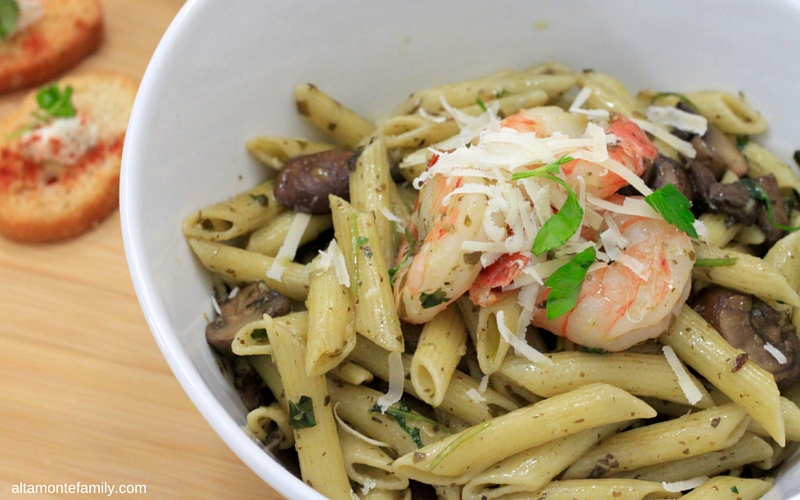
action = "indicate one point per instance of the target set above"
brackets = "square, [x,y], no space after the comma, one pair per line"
[748,385]
[598,489]
[730,488]
[728,112]
[274,151]
[439,350]
[237,265]
[333,118]
[368,464]
[459,458]
[270,424]
[235,216]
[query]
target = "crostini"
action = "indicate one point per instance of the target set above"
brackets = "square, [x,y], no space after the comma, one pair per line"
[60,157]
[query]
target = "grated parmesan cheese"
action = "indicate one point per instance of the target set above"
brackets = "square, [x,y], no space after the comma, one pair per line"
[475,395]
[689,484]
[674,117]
[683,147]
[354,432]
[519,345]
[690,390]
[775,353]
[216,305]
[396,378]
[290,245]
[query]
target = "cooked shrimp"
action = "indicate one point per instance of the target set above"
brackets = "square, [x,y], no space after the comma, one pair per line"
[619,307]
[633,149]
[440,272]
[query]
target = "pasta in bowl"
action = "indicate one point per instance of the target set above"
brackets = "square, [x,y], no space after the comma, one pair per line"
[185,151]
[510,300]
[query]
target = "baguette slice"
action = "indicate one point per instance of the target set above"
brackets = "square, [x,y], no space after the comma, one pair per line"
[45,202]
[67,32]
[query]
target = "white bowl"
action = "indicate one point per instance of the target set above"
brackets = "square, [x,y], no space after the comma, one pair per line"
[225,71]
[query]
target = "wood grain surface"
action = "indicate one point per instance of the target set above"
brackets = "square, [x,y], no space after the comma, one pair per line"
[85,395]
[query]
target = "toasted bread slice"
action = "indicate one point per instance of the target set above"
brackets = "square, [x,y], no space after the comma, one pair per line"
[39,204]
[67,32]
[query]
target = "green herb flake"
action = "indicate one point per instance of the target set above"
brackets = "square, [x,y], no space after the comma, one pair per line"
[735,489]
[742,141]
[560,227]
[481,104]
[301,414]
[467,434]
[406,258]
[674,207]
[550,168]
[261,199]
[758,194]
[501,93]
[429,300]
[54,104]
[565,284]
[361,240]
[797,157]
[722,262]
[401,413]
[9,17]
[258,334]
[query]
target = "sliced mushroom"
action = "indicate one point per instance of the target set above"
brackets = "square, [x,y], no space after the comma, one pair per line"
[732,199]
[668,171]
[249,304]
[750,324]
[305,182]
[719,153]
[780,212]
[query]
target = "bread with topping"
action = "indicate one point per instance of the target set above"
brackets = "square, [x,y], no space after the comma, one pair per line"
[47,201]
[66,32]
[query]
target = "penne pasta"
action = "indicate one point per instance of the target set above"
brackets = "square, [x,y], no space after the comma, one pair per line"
[274,151]
[333,118]
[728,112]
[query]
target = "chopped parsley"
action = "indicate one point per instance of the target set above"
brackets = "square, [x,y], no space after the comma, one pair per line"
[429,300]
[757,193]
[301,414]
[401,413]
[562,225]
[361,242]
[671,204]
[721,262]
[9,17]
[481,104]
[565,284]
[53,103]
[742,141]
[406,258]
[735,489]
[258,334]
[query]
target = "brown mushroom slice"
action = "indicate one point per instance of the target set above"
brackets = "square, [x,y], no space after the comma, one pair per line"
[751,325]
[249,304]
[668,171]
[719,153]
[305,182]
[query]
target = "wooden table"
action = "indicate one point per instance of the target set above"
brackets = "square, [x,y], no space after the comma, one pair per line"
[85,395]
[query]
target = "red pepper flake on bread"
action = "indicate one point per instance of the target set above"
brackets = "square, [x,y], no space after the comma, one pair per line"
[60,157]
[45,38]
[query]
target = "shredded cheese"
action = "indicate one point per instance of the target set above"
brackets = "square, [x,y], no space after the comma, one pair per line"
[683,147]
[475,395]
[522,347]
[354,432]
[689,484]
[690,390]
[396,377]
[673,117]
[216,305]
[290,245]
[775,353]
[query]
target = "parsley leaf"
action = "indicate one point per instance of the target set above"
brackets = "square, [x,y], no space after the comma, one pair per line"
[401,413]
[429,300]
[742,141]
[54,104]
[9,16]
[722,262]
[565,284]
[406,258]
[550,168]
[481,104]
[735,489]
[362,240]
[560,227]
[674,207]
[301,414]
[758,194]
